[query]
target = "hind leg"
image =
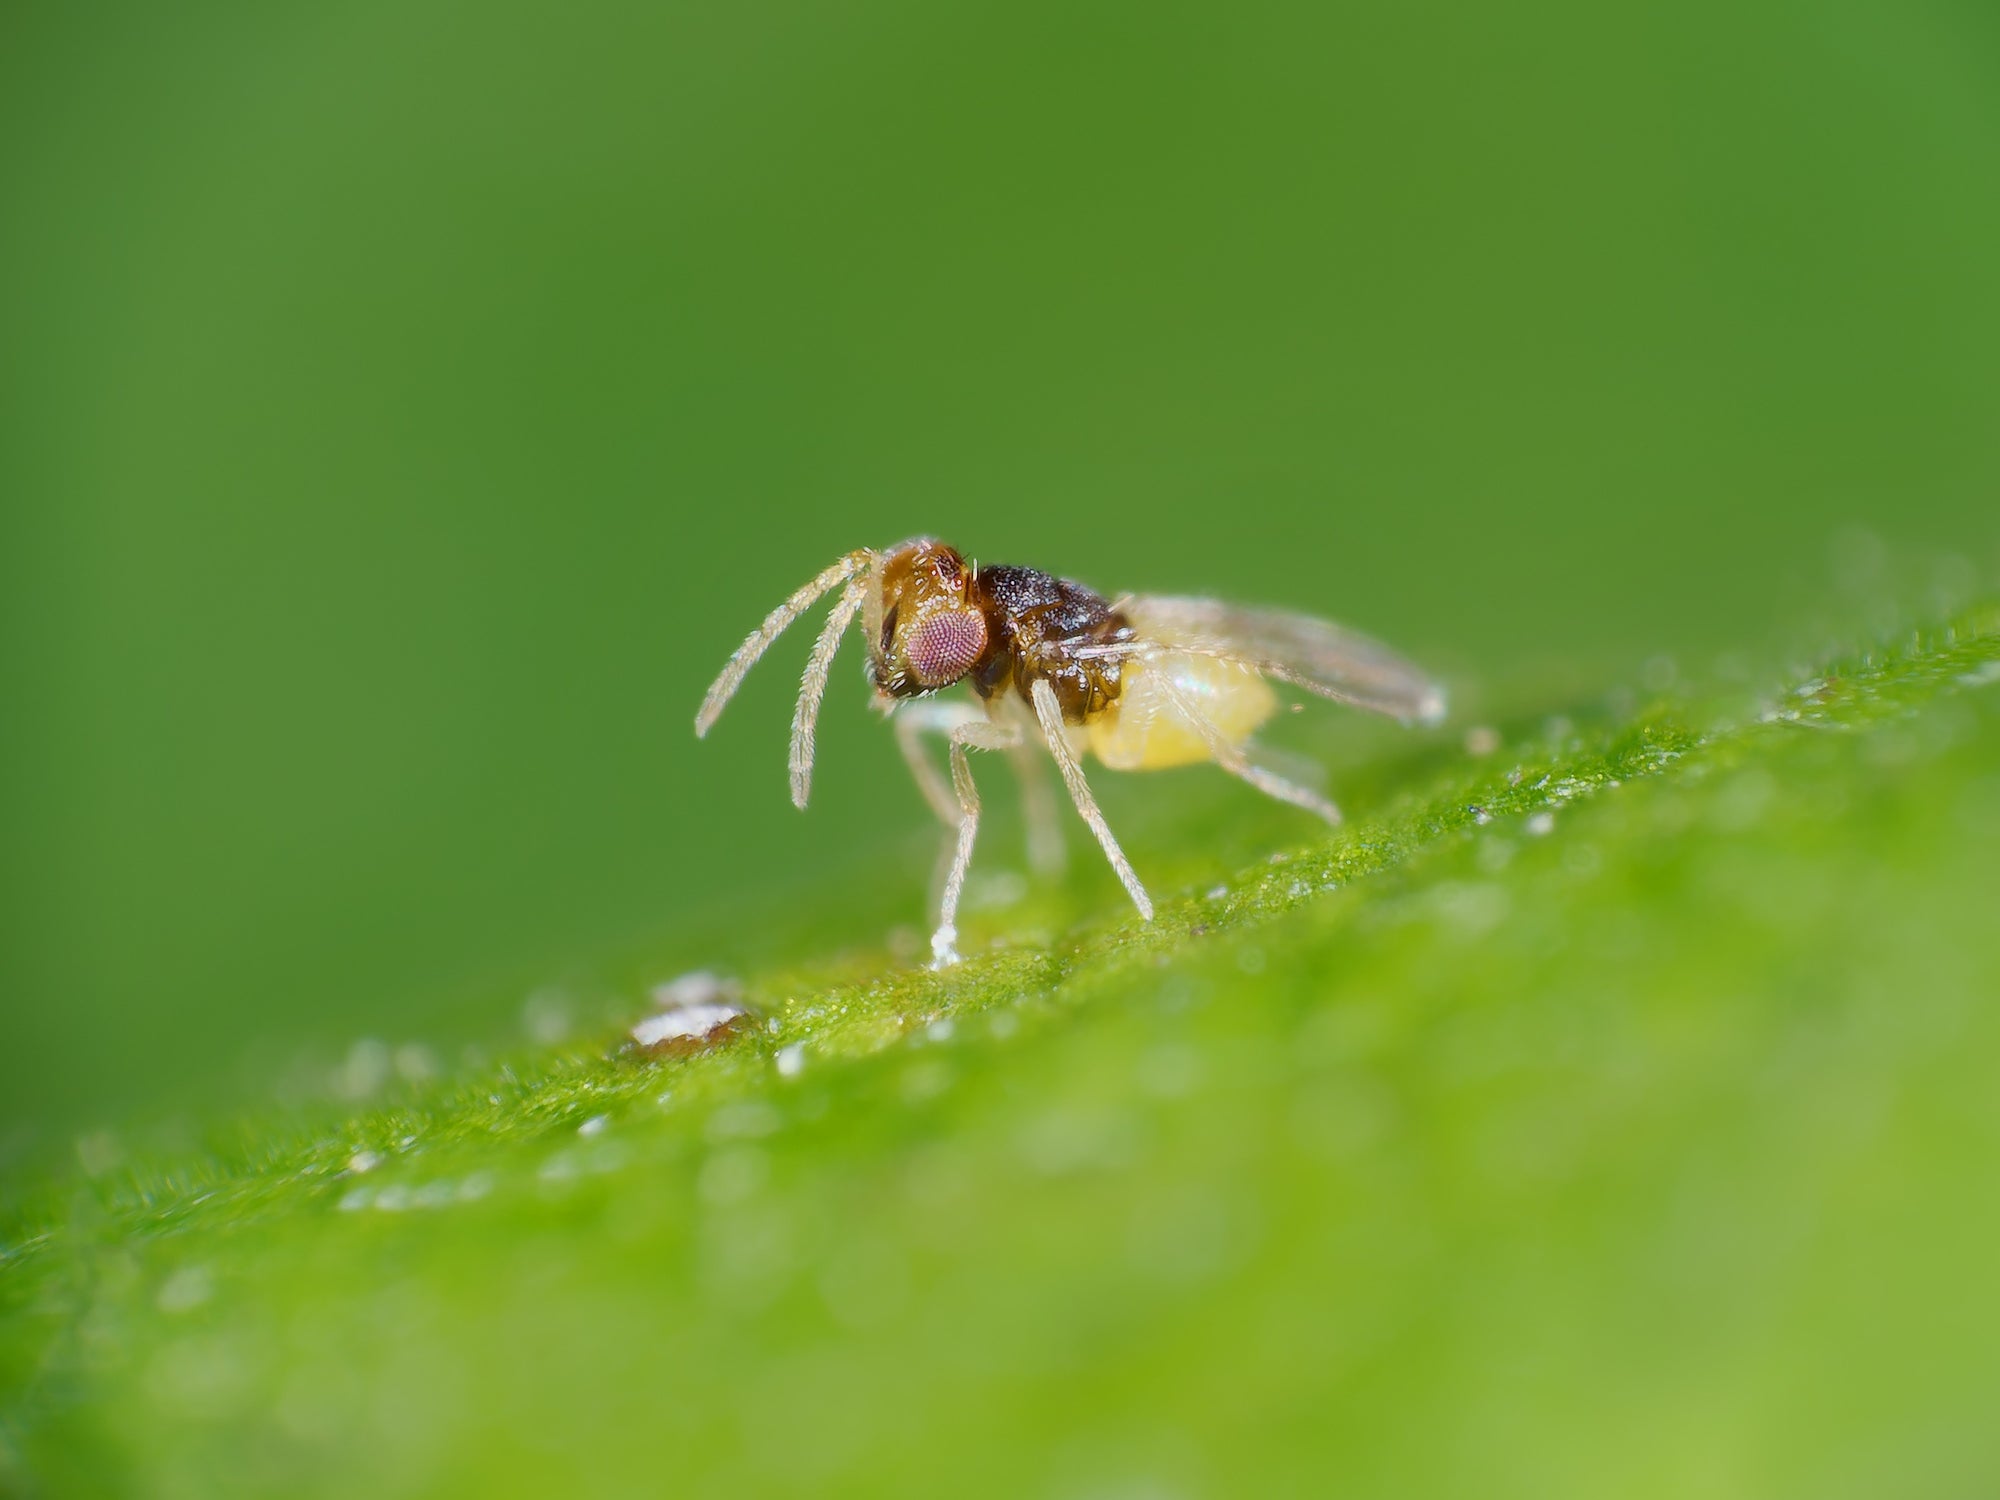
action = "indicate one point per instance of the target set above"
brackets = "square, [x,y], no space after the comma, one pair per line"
[1232,758]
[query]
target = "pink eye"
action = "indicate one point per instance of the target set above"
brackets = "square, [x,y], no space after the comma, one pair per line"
[945,647]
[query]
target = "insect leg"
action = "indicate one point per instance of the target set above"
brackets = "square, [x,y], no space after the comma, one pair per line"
[1273,785]
[914,719]
[812,688]
[911,721]
[1049,711]
[1231,758]
[1046,855]
[972,735]
[1038,808]
[739,665]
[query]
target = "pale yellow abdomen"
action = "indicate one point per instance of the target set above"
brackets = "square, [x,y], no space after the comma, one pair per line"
[1145,730]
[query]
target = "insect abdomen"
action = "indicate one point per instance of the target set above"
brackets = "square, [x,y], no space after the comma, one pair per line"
[1145,730]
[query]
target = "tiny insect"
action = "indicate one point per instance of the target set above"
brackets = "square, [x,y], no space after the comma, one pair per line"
[1141,682]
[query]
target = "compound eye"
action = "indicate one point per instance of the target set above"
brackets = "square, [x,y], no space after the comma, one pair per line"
[946,646]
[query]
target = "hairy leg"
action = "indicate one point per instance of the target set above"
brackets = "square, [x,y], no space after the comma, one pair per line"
[1038,809]
[1049,712]
[966,727]
[912,721]
[1232,759]
[974,735]
[1046,855]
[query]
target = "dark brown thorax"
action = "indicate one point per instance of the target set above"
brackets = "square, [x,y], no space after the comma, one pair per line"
[1035,623]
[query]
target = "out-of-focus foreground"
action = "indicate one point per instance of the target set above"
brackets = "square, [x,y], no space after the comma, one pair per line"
[1608,1113]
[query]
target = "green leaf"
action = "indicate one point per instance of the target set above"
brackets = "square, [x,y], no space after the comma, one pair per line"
[1611,1112]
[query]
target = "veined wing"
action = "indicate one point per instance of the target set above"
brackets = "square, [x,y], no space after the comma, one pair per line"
[1317,655]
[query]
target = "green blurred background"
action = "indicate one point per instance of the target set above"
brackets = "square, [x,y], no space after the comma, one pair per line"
[405,407]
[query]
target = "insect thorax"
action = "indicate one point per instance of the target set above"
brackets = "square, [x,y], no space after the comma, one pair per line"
[1035,622]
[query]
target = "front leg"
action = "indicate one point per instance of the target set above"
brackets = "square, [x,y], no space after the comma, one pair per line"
[977,735]
[966,727]
[913,720]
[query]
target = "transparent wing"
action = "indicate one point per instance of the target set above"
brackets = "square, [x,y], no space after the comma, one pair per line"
[1317,655]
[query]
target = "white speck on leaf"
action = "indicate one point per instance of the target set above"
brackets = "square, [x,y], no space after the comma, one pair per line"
[99,1152]
[744,1120]
[365,1069]
[924,1081]
[1473,908]
[546,1016]
[185,1290]
[686,1023]
[733,1174]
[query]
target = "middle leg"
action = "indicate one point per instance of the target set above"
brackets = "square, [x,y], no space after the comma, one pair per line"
[1055,732]
[1046,855]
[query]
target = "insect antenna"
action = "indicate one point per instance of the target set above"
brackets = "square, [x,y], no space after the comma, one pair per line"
[812,688]
[739,665]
